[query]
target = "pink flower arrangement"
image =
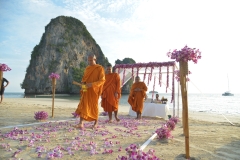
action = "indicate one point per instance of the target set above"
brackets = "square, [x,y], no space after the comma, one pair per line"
[177,75]
[134,153]
[54,75]
[175,119]
[171,125]
[4,67]
[41,115]
[185,54]
[163,132]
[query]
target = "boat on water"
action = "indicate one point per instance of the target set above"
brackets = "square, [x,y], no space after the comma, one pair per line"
[228,93]
[153,92]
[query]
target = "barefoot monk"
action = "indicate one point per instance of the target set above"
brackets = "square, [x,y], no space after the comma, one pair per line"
[92,83]
[111,93]
[137,96]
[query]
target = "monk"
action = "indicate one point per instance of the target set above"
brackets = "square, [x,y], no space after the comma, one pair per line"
[137,96]
[111,93]
[93,79]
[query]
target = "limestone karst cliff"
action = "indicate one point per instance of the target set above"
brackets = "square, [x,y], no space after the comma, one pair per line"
[63,49]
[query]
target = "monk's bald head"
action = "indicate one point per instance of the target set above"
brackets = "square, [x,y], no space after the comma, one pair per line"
[137,79]
[92,59]
[109,69]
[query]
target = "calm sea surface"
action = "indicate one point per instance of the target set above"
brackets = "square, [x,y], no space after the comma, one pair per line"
[215,103]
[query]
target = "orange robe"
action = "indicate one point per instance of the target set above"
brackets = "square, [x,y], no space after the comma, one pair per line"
[111,86]
[88,105]
[136,98]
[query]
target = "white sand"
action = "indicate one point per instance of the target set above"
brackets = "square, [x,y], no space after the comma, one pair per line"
[211,136]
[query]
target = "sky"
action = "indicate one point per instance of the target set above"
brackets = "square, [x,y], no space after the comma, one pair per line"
[144,30]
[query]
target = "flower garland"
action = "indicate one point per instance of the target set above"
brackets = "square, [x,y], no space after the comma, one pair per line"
[154,85]
[124,70]
[160,76]
[167,78]
[144,76]
[4,67]
[152,65]
[173,89]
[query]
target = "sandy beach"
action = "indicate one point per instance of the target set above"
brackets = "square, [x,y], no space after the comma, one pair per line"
[212,136]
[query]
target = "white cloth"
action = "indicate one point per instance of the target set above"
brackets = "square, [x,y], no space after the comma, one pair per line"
[153,110]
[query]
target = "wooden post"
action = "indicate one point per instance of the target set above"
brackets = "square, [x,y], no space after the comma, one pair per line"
[54,82]
[1,78]
[182,94]
[183,74]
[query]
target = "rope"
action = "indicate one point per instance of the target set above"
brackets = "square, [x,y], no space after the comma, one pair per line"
[196,87]
[228,120]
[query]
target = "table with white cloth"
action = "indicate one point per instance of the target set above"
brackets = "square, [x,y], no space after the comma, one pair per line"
[153,110]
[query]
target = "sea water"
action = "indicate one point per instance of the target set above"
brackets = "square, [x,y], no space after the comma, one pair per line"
[213,103]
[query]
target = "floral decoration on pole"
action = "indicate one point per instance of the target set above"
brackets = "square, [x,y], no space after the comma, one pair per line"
[3,68]
[53,76]
[183,56]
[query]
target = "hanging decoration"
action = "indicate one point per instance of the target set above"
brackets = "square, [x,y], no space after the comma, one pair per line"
[132,72]
[160,77]
[167,78]
[135,69]
[144,75]
[124,70]
[173,89]
[154,85]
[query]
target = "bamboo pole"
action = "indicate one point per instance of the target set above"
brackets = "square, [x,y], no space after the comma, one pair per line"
[182,94]
[53,94]
[183,74]
[1,78]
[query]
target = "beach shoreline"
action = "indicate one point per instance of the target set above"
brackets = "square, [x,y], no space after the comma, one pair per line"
[212,136]
[72,105]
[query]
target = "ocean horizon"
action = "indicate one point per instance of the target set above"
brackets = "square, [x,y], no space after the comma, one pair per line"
[199,102]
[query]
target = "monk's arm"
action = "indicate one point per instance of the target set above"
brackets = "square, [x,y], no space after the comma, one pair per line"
[118,86]
[145,87]
[100,82]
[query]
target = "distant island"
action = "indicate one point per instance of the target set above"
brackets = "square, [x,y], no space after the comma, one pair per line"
[153,92]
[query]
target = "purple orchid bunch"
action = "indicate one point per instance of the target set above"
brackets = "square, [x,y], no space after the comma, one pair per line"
[41,115]
[54,75]
[177,75]
[134,153]
[75,115]
[104,113]
[163,132]
[175,119]
[185,54]
[4,67]
[171,124]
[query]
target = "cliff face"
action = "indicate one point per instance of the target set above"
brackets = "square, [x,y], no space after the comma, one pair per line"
[63,49]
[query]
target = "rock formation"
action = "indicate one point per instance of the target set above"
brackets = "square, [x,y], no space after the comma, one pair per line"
[63,49]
